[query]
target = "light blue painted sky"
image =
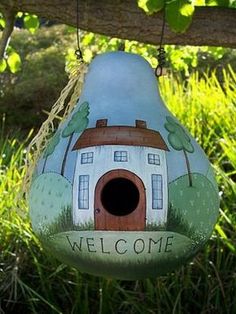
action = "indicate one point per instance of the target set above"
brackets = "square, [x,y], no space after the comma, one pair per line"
[122,88]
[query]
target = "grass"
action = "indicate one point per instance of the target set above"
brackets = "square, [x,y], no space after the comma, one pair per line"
[176,223]
[64,222]
[31,281]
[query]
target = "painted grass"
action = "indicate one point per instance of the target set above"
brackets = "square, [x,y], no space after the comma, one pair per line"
[31,281]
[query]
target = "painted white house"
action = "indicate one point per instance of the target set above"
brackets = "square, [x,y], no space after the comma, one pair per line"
[120,179]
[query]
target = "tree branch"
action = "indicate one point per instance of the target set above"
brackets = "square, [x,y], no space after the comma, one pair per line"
[211,26]
[9,17]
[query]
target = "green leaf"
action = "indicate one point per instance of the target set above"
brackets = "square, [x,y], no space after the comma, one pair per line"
[67,131]
[70,29]
[151,6]
[84,106]
[14,62]
[232,4]
[200,3]
[154,5]
[170,127]
[76,125]
[88,39]
[187,9]
[180,132]
[31,22]
[82,125]
[219,3]
[84,109]
[78,121]
[175,142]
[19,14]
[2,22]
[3,65]
[188,147]
[179,15]
[170,120]
[52,144]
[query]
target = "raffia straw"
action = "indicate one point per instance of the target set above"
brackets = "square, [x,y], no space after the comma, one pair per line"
[39,142]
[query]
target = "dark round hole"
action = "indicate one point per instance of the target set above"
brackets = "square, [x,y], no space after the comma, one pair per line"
[120,197]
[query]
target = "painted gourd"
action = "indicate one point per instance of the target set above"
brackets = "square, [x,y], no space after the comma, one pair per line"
[122,189]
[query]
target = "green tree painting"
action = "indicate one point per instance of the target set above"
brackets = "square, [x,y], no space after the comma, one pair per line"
[179,140]
[51,147]
[77,124]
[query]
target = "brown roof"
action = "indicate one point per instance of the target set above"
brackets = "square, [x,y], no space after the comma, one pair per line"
[120,135]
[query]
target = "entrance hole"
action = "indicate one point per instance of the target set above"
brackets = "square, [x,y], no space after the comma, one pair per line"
[120,196]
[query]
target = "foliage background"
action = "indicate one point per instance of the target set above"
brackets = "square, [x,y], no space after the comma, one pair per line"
[200,91]
[46,57]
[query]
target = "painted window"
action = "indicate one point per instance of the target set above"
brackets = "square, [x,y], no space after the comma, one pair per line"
[121,155]
[87,158]
[157,191]
[154,159]
[83,192]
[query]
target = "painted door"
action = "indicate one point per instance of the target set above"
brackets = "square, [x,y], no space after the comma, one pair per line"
[120,202]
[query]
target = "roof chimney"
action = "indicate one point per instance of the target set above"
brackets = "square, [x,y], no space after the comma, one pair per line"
[141,124]
[101,123]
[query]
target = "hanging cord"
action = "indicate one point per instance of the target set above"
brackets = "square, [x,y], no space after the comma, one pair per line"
[161,57]
[78,51]
[62,109]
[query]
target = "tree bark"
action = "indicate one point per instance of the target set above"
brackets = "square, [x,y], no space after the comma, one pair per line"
[10,20]
[211,26]
[188,169]
[65,156]
[44,164]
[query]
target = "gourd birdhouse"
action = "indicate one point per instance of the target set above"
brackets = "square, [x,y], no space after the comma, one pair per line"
[122,189]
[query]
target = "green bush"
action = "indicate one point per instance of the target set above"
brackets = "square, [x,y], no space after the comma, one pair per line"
[27,95]
[31,281]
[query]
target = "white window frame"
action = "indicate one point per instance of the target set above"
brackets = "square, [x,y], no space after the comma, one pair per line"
[154,159]
[86,158]
[120,156]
